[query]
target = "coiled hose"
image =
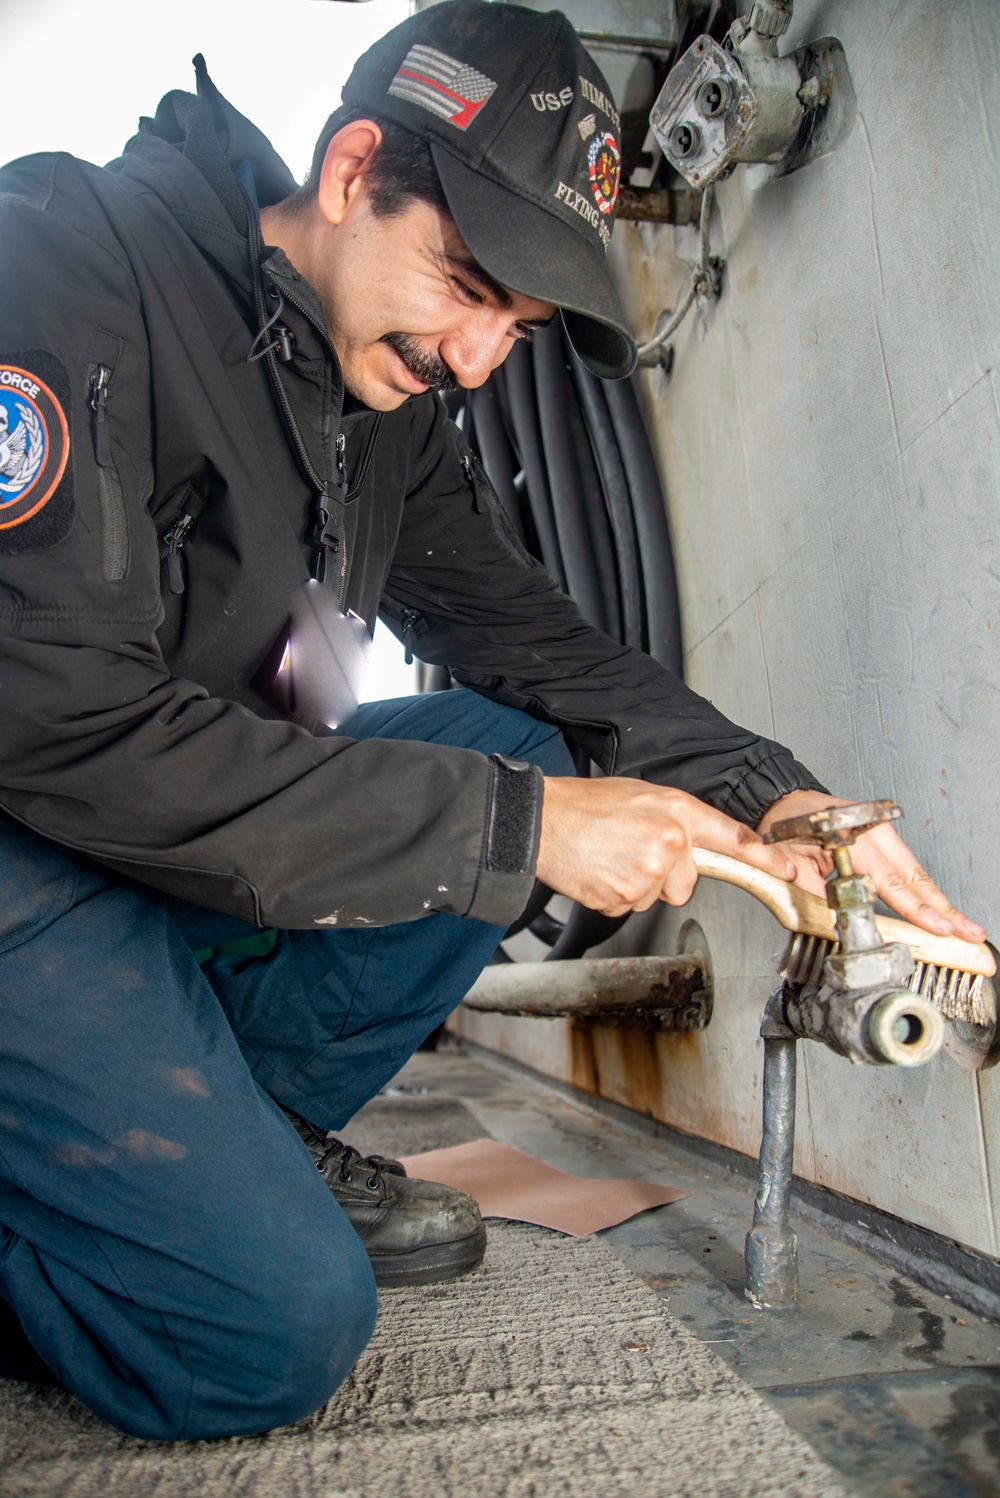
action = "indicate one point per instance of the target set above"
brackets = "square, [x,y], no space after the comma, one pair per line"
[570,460]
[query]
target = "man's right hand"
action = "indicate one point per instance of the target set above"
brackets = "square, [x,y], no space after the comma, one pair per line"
[617,845]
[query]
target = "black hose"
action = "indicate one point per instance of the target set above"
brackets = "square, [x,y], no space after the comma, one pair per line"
[584,929]
[577,499]
[571,463]
[655,551]
[495,450]
[520,382]
[619,502]
[540,897]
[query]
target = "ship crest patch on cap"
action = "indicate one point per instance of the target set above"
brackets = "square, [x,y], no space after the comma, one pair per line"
[603,163]
[448,88]
[34,445]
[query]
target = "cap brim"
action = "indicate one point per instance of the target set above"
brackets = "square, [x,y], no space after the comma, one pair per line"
[533,252]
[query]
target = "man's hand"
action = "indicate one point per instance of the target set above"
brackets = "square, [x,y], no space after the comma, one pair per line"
[617,845]
[884,857]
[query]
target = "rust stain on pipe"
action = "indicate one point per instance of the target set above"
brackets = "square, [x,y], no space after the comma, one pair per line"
[668,993]
[659,205]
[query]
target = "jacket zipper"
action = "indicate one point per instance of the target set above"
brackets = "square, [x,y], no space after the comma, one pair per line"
[329,565]
[408,617]
[327,536]
[114,521]
[470,474]
[366,458]
[271,359]
[170,550]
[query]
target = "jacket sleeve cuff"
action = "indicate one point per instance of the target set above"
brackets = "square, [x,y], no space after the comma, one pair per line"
[510,846]
[766,782]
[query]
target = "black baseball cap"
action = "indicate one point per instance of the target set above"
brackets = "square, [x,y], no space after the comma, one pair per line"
[527,144]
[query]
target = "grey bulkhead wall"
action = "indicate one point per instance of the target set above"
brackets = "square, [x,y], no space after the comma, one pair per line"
[830,448]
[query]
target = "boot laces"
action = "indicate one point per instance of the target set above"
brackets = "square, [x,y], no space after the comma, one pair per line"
[329,1151]
[336,1152]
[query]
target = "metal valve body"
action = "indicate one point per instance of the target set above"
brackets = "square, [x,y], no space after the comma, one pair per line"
[863,1009]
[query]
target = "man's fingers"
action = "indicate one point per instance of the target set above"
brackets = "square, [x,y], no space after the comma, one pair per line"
[811,874]
[941,906]
[909,889]
[719,834]
[682,876]
[921,901]
[884,857]
[905,900]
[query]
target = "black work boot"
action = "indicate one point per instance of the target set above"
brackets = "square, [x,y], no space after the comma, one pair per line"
[415,1232]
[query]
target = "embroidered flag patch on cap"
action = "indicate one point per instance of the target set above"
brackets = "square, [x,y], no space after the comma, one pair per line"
[526,140]
[443,85]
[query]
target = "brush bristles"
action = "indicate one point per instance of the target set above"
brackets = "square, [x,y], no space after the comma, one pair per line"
[955,994]
[806,957]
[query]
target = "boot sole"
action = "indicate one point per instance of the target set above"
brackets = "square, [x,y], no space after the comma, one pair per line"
[431,1264]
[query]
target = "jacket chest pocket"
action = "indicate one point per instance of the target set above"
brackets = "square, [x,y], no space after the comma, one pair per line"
[485,502]
[105,357]
[173,532]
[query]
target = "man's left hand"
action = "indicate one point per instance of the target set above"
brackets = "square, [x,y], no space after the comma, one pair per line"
[884,857]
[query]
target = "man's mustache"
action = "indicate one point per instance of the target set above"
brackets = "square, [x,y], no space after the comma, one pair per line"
[428,368]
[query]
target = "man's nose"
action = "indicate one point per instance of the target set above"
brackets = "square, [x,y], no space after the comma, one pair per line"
[473,351]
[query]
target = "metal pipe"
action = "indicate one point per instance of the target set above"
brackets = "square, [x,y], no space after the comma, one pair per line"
[704,282]
[658,205]
[660,993]
[772,1274]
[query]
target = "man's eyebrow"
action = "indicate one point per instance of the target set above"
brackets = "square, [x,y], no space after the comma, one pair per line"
[482,278]
[487,283]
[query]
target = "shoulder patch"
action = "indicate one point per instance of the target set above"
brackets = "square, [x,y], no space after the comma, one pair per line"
[36,478]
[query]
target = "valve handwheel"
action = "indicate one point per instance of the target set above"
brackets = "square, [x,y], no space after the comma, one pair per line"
[834,826]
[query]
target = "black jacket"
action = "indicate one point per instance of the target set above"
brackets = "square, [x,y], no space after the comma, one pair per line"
[130,635]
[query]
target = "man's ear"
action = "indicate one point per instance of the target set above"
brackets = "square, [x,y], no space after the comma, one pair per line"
[344,165]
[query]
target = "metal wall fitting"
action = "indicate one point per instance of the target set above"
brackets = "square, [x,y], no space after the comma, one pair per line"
[739,101]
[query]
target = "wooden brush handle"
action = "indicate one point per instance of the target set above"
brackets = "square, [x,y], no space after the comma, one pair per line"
[798,910]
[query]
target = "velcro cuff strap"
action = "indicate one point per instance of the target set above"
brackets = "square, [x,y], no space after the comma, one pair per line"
[515,823]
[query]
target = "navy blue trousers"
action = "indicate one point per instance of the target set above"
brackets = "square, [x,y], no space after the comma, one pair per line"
[168,1251]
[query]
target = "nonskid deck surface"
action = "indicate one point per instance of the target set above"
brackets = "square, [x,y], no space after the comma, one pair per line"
[625,1363]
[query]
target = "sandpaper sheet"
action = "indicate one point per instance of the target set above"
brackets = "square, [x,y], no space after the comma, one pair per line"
[509,1183]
